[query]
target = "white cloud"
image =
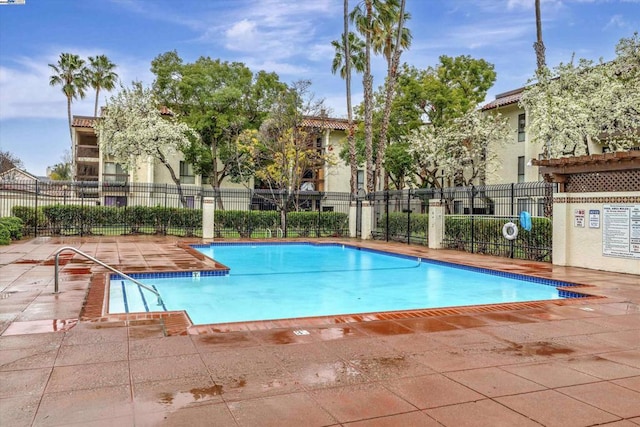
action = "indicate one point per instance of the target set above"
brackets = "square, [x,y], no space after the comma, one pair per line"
[26,91]
[616,21]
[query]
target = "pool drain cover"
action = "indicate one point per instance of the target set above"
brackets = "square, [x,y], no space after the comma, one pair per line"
[301,332]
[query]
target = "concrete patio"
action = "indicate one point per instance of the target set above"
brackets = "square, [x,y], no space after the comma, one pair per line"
[63,362]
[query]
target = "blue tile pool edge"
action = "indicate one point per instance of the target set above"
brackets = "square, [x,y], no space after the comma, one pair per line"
[531,279]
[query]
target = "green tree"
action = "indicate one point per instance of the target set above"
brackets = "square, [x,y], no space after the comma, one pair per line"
[101,76]
[62,171]
[455,86]
[134,129]
[219,100]
[71,73]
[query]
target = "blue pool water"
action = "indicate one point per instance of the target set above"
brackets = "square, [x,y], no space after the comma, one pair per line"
[275,281]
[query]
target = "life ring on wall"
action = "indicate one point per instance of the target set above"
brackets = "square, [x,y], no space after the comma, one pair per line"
[510,231]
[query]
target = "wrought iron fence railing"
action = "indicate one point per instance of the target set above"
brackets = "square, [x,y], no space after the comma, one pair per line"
[117,208]
[474,215]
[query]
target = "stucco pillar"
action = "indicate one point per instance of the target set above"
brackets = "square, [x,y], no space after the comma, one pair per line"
[561,221]
[208,209]
[367,220]
[353,219]
[436,224]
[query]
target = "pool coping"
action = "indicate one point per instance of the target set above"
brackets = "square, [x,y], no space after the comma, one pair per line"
[179,323]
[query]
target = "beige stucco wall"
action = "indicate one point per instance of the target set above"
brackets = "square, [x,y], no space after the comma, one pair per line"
[583,246]
[337,176]
[504,169]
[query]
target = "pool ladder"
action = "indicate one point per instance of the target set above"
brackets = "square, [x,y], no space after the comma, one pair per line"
[97,261]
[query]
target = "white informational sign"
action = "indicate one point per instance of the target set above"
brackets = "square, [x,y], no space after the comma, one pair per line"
[621,231]
[578,218]
[594,218]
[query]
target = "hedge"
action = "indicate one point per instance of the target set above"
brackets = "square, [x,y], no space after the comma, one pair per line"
[419,224]
[5,235]
[73,218]
[487,233]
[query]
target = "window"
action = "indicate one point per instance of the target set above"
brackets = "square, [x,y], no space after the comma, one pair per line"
[114,172]
[360,179]
[521,169]
[186,173]
[117,201]
[522,122]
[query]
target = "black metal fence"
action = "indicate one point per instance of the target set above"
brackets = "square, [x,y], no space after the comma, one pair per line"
[474,221]
[474,218]
[106,208]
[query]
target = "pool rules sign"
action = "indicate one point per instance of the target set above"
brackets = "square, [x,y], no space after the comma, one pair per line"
[621,231]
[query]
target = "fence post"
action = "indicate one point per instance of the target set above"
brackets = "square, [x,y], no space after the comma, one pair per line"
[164,220]
[386,212]
[319,214]
[513,197]
[409,217]
[82,215]
[473,238]
[35,213]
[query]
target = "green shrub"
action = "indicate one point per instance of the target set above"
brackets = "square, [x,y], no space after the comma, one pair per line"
[30,217]
[419,224]
[303,222]
[5,235]
[488,238]
[14,225]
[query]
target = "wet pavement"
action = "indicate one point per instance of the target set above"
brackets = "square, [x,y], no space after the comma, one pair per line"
[64,362]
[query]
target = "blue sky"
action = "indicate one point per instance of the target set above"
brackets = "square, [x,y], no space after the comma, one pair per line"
[289,37]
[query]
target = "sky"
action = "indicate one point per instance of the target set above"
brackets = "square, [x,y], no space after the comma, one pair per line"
[289,37]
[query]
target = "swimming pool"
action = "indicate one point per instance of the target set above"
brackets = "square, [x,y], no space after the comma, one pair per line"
[288,280]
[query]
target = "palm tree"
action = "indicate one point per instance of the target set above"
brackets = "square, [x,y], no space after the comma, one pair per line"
[385,27]
[390,36]
[70,73]
[538,46]
[101,76]
[349,55]
[363,20]
[356,55]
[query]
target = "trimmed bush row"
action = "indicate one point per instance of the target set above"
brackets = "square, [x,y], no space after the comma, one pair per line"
[487,232]
[58,218]
[419,224]
[10,229]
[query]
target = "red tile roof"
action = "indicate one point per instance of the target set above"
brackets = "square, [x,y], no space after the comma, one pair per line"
[503,99]
[325,122]
[83,121]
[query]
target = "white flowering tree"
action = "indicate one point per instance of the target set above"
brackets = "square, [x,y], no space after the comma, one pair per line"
[577,102]
[464,149]
[132,129]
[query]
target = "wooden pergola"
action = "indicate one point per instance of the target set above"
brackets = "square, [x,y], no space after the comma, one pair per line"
[617,171]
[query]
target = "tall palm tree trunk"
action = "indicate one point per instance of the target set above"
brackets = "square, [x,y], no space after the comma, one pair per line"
[95,107]
[367,83]
[350,131]
[538,46]
[392,71]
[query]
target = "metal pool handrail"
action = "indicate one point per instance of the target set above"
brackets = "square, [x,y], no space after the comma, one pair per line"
[97,261]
